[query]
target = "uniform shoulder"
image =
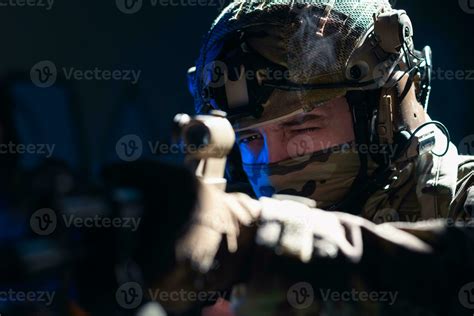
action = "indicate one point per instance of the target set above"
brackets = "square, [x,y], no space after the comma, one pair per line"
[466,166]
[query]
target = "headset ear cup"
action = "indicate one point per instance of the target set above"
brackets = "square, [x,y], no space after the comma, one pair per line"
[393,29]
[380,50]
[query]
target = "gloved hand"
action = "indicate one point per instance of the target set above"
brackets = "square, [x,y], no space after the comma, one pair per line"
[216,216]
[294,229]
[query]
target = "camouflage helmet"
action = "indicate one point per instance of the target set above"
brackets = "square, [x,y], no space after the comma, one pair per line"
[321,48]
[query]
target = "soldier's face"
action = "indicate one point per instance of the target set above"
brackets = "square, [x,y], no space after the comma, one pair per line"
[326,126]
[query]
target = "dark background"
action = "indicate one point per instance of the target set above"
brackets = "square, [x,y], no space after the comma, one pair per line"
[163,42]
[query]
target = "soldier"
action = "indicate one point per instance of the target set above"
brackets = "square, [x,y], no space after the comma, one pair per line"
[329,103]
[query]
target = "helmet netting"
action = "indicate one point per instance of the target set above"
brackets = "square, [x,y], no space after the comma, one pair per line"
[319,35]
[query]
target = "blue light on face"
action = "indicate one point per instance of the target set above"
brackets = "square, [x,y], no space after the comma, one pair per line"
[251,156]
[259,179]
[255,165]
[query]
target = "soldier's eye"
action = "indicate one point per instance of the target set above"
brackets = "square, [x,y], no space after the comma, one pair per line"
[307,130]
[249,139]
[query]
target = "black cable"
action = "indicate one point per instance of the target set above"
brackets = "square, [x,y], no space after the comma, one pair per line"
[411,67]
[405,52]
[402,76]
